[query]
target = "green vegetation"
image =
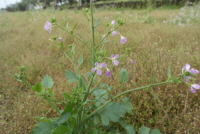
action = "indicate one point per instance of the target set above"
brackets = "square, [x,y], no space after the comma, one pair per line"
[155,46]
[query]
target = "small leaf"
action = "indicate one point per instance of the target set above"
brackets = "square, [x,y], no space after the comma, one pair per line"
[37,87]
[127,103]
[63,117]
[155,131]
[61,130]
[67,96]
[123,75]
[97,23]
[47,82]
[106,41]
[80,60]
[130,129]
[43,128]
[71,76]
[144,130]
[74,26]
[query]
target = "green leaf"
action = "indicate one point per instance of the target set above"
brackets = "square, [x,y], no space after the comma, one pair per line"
[130,129]
[80,60]
[71,76]
[42,119]
[67,96]
[100,96]
[123,75]
[37,87]
[43,128]
[112,112]
[155,131]
[47,82]
[74,27]
[97,23]
[144,130]
[127,103]
[96,119]
[63,117]
[69,107]
[106,41]
[61,130]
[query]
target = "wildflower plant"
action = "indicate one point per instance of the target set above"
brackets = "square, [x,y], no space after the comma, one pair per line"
[90,107]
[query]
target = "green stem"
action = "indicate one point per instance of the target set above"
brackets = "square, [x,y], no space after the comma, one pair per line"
[75,37]
[125,92]
[92,29]
[25,82]
[52,104]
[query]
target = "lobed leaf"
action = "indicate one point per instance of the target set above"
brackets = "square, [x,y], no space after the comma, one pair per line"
[112,112]
[47,82]
[71,76]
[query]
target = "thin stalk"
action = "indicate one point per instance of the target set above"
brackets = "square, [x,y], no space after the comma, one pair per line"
[92,29]
[52,104]
[125,92]
[75,37]
[160,103]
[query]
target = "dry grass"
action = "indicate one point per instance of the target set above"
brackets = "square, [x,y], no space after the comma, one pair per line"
[154,47]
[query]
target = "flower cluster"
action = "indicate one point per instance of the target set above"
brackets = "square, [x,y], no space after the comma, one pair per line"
[99,66]
[189,73]
[114,32]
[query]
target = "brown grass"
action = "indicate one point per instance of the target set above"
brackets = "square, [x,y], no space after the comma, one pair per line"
[154,47]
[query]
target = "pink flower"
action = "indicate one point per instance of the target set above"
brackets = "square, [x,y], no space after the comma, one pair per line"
[131,61]
[98,67]
[113,58]
[186,68]
[112,22]
[108,72]
[47,26]
[103,36]
[113,32]
[194,87]
[59,39]
[123,40]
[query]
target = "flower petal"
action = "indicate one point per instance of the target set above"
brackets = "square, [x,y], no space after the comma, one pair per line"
[186,67]
[103,65]
[96,64]
[115,62]
[112,22]
[99,72]
[193,71]
[116,56]
[196,86]
[93,69]
[123,40]
[114,33]
[108,73]
[193,90]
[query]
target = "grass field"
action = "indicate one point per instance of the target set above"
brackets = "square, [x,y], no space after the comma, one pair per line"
[155,46]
